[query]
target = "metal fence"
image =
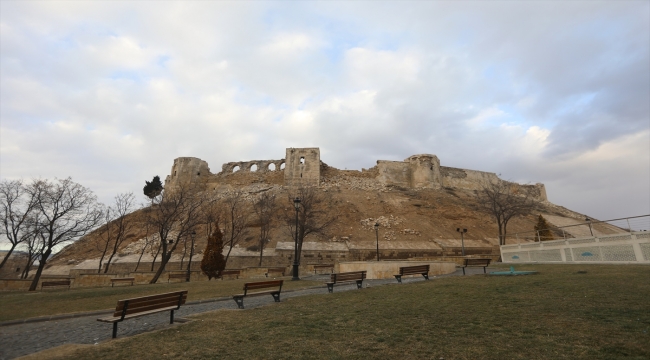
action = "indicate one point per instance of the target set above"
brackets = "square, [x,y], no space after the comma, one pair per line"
[588,228]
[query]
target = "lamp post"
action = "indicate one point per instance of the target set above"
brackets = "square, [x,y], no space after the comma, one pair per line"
[189,265]
[589,221]
[296,204]
[462,238]
[377,235]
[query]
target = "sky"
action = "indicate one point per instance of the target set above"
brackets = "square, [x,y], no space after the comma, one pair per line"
[110,93]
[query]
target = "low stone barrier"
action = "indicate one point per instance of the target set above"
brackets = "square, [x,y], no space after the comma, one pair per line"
[387,269]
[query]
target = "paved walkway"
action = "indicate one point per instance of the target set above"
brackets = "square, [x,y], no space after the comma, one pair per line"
[27,338]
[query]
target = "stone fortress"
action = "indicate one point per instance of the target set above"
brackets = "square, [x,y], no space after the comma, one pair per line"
[303,167]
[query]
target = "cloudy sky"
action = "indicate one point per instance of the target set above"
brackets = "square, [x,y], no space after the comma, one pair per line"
[110,93]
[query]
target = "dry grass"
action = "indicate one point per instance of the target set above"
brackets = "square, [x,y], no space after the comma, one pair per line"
[558,314]
[21,305]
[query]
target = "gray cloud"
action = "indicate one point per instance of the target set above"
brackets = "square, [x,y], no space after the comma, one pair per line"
[110,93]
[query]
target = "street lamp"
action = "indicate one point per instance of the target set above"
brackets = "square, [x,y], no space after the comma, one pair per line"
[377,235]
[296,204]
[462,238]
[189,265]
[589,221]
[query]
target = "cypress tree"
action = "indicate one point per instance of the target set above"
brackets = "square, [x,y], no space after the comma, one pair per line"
[153,188]
[543,227]
[213,261]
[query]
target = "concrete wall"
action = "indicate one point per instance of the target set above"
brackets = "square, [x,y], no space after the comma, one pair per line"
[302,167]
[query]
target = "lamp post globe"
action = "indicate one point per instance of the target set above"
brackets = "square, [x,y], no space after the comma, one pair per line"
[296,264]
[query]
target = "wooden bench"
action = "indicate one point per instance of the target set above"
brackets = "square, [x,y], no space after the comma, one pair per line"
[323,267]
[277,270]
[55,283]
[476,262]
[356,276]
[146,305]
[177,276]
[230,272]
[239,299]
[129,279]
[413,270]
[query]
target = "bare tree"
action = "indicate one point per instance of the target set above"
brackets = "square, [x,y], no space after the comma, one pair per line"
[234,218]
[65,211]
[315,214]
[504,200]
[211,214]
[174,215]
[122,224]
[103,239]
[264,207]
[16,206]
[147,243]
[32,243]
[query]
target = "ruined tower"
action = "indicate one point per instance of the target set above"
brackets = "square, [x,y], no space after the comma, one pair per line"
[302,167]
[187,170]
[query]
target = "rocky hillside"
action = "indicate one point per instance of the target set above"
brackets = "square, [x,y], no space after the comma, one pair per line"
[359,201]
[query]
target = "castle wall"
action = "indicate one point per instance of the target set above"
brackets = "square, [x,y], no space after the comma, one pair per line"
[260,166]
[302,167]
[465,179]
[425,171]
[394,173]
[188,170]
[418,171]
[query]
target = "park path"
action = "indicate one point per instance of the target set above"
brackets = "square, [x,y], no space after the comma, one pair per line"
[28,338]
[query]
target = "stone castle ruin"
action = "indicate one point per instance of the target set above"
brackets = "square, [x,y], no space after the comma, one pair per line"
[303,167]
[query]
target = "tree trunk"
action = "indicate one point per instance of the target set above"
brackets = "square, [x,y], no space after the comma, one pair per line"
[13,246]
[163,262]
[155,257]
[140,258]
[41,266]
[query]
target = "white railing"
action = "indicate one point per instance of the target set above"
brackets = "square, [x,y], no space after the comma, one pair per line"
[589,227]
[632,247]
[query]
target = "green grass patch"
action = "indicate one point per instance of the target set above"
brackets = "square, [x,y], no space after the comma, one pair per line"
[557,314]
[21,305]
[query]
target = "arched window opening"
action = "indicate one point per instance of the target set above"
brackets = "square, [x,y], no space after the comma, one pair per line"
[253,167]
[174,172]
[198,174]
[271,167]
[235,169]
[282,166]
[302,159]
[300,174]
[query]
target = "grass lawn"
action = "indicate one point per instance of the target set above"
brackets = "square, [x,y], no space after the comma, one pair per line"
[21,305]
[601,312]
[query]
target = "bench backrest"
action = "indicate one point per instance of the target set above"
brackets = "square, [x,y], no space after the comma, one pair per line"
[348,276]
[177,276]
[278,269]
[479,262]
[409,270]
[324,266]
[55,283]
[151,302]
[263,285]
